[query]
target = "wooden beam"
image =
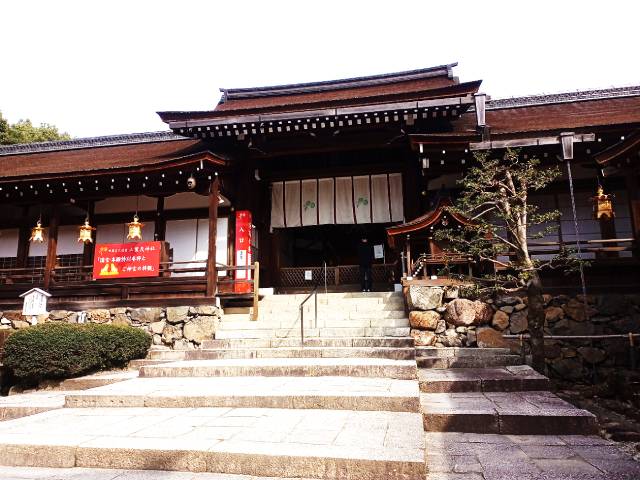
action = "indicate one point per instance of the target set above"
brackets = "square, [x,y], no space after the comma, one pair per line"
[529,142]
[52,247]
[212,274]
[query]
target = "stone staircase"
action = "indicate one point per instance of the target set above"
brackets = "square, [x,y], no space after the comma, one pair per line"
[337,407]
[485,391]
[359,314]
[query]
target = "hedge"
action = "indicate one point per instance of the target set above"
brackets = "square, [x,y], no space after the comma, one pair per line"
[61,350]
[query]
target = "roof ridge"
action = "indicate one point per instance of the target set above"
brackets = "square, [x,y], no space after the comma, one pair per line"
[337,84]
[88,142]
[563,97]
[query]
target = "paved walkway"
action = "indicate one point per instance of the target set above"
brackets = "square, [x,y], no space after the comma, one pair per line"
[31,473]
[468,456]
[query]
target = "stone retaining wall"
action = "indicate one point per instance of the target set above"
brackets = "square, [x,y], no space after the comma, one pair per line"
[440,318]
[174,327]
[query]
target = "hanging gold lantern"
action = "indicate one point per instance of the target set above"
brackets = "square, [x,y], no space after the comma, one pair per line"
[602,205]
[37,233]
[135,229]
[85,232]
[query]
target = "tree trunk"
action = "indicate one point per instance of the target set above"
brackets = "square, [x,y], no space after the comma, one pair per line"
[536,322]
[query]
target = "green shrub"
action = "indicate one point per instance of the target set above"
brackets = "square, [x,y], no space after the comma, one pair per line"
[62,350]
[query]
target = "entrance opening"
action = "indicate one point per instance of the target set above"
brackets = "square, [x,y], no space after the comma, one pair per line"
[304,251]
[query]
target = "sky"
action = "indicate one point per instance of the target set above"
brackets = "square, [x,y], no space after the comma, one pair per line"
[96,67]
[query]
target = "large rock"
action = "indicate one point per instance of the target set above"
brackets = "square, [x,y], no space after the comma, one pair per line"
[145,315]
[121,319]
[592,355]
[484,312]
[463,313]
[568,368]
[553,314]
[170,333]
[578,310]
[99,315]
[157,327]
[451,292]
[19,324]
[424,298]
[13,315]
[200,328]
[423,338]
[500,320]
[59,315]
[205,310]
[503,300]
[424,320]
[613,304]
[487,337]
[518,322]
[177,314]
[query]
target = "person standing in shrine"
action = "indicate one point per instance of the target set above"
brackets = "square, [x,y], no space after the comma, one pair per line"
[365,259]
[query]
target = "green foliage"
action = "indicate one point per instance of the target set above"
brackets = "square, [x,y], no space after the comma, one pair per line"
[496,198]
[24,131]
[61,350]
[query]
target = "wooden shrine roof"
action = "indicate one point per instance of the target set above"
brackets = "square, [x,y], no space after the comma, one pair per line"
[575,110]
[78,157]
[425,221]
[237,105]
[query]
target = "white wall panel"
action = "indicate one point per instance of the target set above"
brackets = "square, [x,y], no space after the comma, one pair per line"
[68,240]
[9,242]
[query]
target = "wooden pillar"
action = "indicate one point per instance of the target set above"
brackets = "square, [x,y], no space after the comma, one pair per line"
[160,222]
[88,249]
[212,274]
[52,247]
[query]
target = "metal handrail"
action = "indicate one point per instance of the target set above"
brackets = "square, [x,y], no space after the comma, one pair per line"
[313,293]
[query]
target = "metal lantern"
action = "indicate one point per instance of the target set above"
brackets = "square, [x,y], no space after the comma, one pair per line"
[602,205]
[85,232]
[135,229]
[37,233]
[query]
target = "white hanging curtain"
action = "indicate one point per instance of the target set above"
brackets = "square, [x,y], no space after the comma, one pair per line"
[341,200]
[362,199]
[380,208]
[344,200]
[277,205]
[309,202]
[292,212]
[326,202]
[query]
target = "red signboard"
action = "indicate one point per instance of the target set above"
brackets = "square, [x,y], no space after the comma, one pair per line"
[126,260]
[243,250]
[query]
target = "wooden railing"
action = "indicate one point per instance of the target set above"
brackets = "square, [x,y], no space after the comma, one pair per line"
[174,279]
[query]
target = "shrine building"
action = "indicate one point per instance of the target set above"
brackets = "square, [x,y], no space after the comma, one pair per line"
[276,185]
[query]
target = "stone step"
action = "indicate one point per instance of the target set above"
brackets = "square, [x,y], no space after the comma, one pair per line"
[347,305]
[315,332]
[514,413]
[506,379]
[441,352]
[282,367]
[332,296]
[306,352]
[469,362]
[286,323]
[321,444]
[332,393]
[24,404]
[397,342]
